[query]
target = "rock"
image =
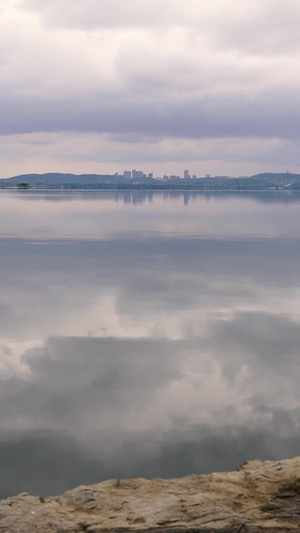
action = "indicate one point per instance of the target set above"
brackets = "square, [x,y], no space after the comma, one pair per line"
[260,496]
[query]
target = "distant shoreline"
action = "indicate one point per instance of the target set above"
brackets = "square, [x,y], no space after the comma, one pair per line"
[146,189]
[258,182]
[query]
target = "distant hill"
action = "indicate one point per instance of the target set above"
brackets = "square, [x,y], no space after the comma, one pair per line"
[258,182]
[53,178]
[284,180]
[276,176]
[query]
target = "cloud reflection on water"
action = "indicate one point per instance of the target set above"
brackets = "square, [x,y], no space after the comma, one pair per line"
[156,357]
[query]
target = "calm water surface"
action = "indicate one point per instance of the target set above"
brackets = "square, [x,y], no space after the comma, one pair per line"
[146,334]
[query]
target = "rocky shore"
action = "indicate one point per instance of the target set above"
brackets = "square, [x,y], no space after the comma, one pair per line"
[259,496]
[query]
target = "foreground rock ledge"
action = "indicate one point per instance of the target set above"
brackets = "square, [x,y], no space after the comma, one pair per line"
[260,496]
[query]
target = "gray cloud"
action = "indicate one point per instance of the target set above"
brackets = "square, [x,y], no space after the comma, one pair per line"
[273,114]
[189,92]
[267,343]
[88,404]
[176,72]
[48,463]
[130,366]
[45,463]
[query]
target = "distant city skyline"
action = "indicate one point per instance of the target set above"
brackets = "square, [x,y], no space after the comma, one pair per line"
[135,174]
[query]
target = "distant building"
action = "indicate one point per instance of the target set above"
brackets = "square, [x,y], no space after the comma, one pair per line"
[194,177]
[186,174]
[175,177]
[150,175]
[138,174]
[127,174]
[207,175]
[165,177]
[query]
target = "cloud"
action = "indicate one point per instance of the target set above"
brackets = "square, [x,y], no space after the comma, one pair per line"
[127,375]
[133,14]
[135,304]
[250,26]
[95,152]
[142,407]
[186,71]
[164,83]
[267,344]
[48,463]
[193,117]
[101,14]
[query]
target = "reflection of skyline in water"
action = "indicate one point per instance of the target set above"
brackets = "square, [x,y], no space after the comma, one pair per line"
[137,197]
[50,215]
[142,355]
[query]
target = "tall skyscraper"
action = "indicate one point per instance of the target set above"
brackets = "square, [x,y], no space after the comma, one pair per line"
[186,174]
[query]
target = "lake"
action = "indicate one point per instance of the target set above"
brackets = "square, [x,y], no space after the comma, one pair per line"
[146,334]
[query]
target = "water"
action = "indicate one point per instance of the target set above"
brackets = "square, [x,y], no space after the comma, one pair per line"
[146,334]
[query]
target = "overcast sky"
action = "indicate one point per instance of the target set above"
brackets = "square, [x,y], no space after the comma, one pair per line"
[160,85]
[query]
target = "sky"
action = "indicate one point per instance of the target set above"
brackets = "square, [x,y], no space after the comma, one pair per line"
[100,86]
